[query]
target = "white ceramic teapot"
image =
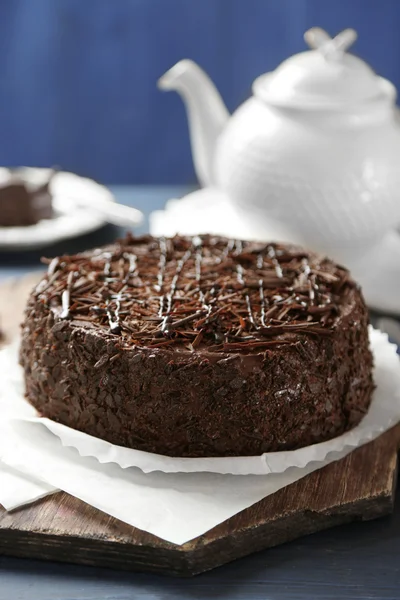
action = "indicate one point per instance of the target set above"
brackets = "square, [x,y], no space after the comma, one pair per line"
[317,148]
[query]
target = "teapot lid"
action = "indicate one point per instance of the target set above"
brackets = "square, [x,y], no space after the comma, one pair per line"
[325,77]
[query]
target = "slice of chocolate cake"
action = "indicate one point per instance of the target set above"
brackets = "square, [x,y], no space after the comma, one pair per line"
[24,199]
[199,346]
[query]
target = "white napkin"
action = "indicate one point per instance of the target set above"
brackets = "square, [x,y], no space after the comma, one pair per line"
[176,507]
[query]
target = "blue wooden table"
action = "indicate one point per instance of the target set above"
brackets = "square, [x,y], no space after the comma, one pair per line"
[357,561]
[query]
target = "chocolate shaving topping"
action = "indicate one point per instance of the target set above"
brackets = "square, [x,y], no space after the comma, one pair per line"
[226,295]
[66,297]
[52,266]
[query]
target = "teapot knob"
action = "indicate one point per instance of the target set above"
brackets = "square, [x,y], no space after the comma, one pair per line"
[330,48]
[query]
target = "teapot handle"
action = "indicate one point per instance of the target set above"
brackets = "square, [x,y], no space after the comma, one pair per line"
[330,48]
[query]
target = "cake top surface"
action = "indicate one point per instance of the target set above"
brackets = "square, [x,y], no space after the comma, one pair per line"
[197,292]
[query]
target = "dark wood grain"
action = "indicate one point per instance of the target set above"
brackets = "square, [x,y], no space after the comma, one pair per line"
[60,527]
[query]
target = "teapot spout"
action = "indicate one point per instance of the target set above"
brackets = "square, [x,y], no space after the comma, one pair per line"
[207,114]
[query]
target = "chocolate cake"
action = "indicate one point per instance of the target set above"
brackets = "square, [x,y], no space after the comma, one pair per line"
[24,200]
[198,346]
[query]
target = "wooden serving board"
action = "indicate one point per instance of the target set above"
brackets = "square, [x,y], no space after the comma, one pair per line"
[60,527]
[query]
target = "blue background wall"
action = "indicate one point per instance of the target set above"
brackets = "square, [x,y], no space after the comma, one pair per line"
[78,77]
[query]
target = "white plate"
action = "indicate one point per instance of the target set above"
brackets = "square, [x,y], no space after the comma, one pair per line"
[69,221]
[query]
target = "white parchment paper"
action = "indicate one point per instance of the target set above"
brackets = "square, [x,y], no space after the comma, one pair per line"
[18,489]
[173,506]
